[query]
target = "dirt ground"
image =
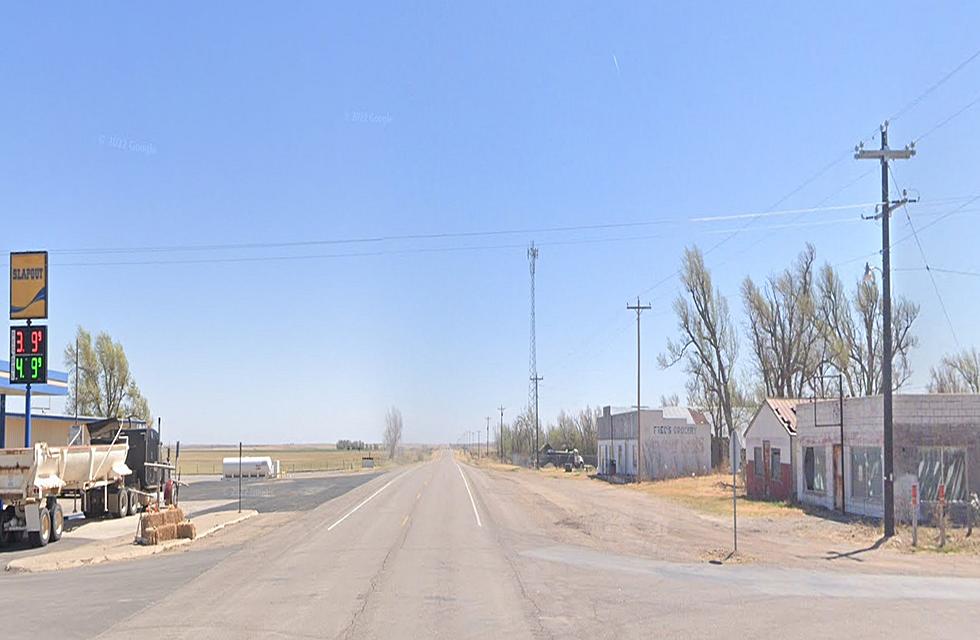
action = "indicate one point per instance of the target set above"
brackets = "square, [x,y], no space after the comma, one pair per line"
[690,520]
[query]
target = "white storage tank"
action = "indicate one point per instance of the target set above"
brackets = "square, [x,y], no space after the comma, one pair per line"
[251,467]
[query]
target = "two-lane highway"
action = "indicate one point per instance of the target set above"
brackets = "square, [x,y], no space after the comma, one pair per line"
[409,558]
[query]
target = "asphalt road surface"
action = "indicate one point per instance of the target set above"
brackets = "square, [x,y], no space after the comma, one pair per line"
[439,550]
[296,493]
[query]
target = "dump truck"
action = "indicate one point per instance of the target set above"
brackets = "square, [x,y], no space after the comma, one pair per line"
[32,479]
[144,457]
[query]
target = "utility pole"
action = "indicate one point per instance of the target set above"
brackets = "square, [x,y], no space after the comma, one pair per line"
[500,433]
[639,308]
[537,423]
[884,155]
[488,436]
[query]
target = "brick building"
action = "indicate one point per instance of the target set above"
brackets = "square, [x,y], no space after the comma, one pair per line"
[936,441]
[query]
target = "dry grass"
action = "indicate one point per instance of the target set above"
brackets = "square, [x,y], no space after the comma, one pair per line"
[712,494]
[207,460]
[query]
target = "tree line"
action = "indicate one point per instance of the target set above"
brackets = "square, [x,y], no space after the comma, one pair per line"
[577,430]
[803,327]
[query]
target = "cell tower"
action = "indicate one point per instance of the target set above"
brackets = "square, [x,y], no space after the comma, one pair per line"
[532,256]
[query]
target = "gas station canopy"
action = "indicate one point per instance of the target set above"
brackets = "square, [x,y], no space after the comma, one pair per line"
[57,384]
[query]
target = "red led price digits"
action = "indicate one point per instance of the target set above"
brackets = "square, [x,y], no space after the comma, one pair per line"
[37,341]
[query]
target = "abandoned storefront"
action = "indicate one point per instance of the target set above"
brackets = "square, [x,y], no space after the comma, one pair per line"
[841,463]
[676,442]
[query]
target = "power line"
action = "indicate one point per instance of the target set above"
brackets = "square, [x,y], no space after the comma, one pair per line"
[925,261]
[942,123]
[915,101]
[176,248]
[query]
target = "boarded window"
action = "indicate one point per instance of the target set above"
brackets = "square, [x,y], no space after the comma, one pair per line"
[867,479]
[946,465]
[776,469]
[760,466]
[815,469]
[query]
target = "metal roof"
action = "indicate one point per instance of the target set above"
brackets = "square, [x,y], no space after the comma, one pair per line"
[785,410]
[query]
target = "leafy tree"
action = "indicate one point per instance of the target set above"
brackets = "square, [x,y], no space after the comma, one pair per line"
[852,330]
[708,343]
[956,373]
[106,387]
[785,337]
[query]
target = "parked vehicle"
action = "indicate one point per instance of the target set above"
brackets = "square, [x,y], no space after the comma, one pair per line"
[144,457]
[32,479]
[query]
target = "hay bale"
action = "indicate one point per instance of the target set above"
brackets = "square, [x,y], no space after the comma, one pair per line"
[149,536]
[166,532]
[187,530]
[174,516]
[151,520]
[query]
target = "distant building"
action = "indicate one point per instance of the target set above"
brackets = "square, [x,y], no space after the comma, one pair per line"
[936,441]
[676,442]
[769,445]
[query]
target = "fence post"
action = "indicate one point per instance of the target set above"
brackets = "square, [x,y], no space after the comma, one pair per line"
[915,514]
[942,515]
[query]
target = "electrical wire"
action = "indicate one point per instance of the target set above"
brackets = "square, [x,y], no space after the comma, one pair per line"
[929,90]
[925,261]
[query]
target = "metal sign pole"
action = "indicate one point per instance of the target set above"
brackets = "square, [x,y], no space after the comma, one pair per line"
[734,464]
[27,411]
[239,477]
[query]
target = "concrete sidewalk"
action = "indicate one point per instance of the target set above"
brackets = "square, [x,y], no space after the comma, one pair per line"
[121,547]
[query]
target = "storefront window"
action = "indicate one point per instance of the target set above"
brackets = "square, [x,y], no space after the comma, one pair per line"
[867,480]
[815,469]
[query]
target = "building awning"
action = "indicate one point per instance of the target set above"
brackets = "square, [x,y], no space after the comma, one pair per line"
[57,384]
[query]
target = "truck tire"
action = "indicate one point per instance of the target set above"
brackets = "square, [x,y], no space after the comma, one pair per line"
[41,537]
[122,503]
[57,521]
[134,502]
[7,537]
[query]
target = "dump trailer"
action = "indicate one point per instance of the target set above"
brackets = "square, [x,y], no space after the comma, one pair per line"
[144,457]
[32,479]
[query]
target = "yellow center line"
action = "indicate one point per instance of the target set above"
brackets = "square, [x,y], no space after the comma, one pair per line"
[404,521]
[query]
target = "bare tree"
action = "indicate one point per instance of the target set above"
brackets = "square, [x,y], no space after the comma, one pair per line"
[956,373]
[852,331]
[393,431]
[672,400]
[588,426]
[708,343]
[781,321]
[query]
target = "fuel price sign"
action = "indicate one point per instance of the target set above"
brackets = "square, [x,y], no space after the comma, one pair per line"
[29,354]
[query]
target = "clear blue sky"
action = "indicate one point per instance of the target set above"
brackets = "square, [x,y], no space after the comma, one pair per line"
[134,126]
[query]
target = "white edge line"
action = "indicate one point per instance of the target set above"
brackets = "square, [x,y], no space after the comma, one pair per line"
[364,502]
[470,493]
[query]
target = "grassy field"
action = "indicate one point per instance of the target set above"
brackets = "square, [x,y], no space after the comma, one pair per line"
[713,494]
[207,460]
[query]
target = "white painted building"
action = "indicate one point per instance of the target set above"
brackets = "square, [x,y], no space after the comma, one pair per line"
[676,442]
[769,444]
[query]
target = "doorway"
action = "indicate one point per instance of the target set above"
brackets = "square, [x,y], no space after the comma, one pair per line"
[838,477]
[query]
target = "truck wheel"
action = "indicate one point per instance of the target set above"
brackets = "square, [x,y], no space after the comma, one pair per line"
[6,537]
[134,502]
[41,537]
[57,522]
[122,503]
